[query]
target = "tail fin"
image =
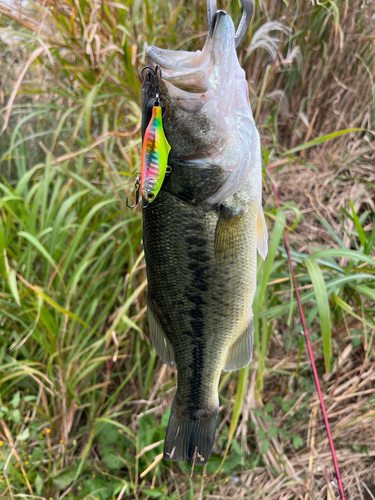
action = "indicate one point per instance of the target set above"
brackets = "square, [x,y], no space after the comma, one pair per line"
[190,438]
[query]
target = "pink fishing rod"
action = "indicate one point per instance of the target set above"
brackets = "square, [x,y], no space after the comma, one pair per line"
[311,355]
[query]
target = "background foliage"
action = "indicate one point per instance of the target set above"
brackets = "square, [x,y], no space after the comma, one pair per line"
[84,398]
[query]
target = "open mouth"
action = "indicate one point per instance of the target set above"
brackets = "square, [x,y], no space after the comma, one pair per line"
[190,71]
[208,118]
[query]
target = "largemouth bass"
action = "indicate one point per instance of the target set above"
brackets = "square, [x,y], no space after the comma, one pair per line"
[202,231]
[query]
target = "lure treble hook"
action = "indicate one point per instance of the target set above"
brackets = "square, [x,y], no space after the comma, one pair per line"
[248,9]
[137,186]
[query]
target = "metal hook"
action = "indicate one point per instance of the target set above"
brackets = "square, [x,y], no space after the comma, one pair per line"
[136,200]
[248,9]
[211,14]
[157,68]
[137,186]
[154,72]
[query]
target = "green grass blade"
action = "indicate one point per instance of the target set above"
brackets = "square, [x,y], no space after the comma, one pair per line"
[320,140]
[371,239]
[338,252]
[36,243]
[82,227]
[331,231]
[346,307]
[321,296]
[13,286]
[369,292]
[3,245]
[240,396]
[261,343]
[272,249]
[358,225]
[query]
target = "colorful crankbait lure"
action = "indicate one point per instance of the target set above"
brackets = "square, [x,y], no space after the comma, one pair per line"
[155,153]
[155,149]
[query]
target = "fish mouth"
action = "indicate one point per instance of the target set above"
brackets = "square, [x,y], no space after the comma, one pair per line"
[208,119]
[191,71]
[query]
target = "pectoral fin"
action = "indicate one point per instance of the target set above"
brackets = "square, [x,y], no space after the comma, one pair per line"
[262,234]
[159,340]
[229,235]
[241,352]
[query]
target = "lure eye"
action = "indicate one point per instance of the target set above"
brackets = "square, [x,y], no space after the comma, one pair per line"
[150,196]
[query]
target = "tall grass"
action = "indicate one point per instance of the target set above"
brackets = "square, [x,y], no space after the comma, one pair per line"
[84,398]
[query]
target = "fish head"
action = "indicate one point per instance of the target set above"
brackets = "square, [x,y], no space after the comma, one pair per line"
[207,117]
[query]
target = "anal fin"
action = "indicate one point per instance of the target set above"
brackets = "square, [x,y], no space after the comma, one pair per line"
[241,352]
[262,234]
[159,339]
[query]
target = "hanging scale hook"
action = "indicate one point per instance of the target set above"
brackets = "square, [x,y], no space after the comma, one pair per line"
[248,9]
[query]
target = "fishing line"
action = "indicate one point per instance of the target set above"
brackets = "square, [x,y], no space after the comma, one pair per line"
[309,347]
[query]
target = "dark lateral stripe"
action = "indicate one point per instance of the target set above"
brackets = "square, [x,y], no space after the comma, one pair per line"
[195,289]
[195,299]
[198,242]
[198,256]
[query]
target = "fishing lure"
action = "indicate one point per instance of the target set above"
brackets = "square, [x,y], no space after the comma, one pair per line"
[155,150]
[154,156]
